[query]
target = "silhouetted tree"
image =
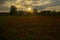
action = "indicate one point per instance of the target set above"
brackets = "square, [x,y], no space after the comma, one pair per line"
[35,10]
[13,10]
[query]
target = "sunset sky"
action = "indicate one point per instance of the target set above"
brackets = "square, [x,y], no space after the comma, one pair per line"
[35,4]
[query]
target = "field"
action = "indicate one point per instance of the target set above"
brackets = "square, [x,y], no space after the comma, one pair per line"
[30,27]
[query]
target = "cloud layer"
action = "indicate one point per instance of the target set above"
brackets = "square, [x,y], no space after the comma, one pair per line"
[39,4]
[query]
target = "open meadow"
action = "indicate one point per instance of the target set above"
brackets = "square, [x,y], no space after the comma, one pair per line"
[30,27]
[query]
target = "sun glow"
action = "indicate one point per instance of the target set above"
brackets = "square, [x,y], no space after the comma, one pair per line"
[29,9]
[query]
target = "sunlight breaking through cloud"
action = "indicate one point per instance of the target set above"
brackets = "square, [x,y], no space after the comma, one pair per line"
[22,4]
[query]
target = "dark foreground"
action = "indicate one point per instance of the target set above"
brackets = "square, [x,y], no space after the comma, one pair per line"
[29,28]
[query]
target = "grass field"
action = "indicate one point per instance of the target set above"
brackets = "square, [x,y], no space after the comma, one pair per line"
[30,27]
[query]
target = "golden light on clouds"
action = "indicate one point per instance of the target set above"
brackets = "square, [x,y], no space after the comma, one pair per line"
[23,4]
[29,9]
[17,1]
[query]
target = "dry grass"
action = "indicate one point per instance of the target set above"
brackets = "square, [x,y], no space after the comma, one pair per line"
[30,27]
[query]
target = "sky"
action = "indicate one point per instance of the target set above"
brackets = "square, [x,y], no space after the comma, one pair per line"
[35,4]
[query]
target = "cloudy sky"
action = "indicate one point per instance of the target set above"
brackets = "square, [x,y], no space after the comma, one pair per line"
[22,4]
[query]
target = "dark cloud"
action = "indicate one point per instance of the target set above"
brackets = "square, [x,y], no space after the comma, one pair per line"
[4,1]
[54,3]
[12,1]
[4,8]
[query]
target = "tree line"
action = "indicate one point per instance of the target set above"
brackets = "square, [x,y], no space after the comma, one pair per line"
[13,11]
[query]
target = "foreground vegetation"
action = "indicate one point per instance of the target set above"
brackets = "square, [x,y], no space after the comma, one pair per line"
[30,27]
